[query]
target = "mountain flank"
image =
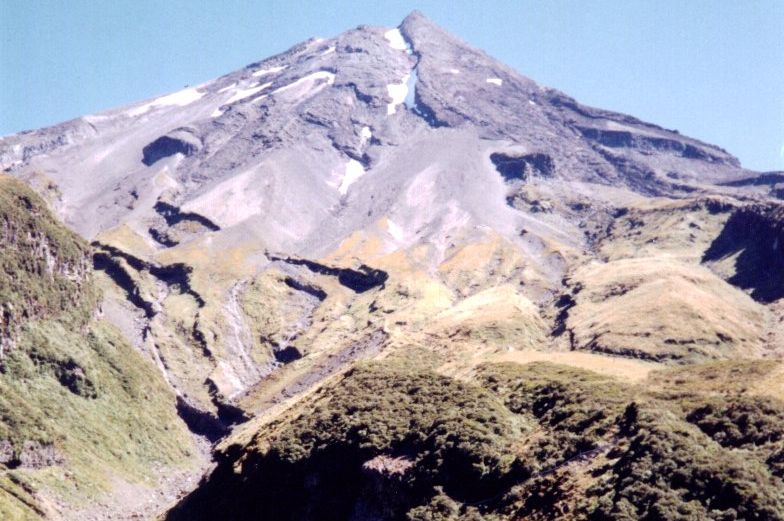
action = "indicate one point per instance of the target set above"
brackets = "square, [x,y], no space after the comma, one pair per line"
[384,276]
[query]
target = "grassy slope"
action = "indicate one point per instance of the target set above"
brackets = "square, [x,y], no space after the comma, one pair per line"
[78,405]
[648,296]
[567,443]
[661,309]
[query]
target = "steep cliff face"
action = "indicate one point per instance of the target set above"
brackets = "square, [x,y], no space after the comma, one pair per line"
[749,247]
[78,407]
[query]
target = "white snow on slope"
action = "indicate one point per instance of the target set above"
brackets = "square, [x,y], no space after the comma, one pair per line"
[495,81]
[181,98]
[354,170]
[227,88]
[329,50]
[396,40]
[454,71]
[398,93]
[365,134]
[246,93]
[271,70]
[308,84]
[91,118]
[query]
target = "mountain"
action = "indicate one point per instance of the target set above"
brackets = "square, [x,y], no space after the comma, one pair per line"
[389,274]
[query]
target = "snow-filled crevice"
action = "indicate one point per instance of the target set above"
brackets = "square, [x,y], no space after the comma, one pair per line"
[354,170]
[411,84]
[413,100]
[401,93]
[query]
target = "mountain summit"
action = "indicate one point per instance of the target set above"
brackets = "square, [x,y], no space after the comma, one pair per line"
[392,217]
[324,103]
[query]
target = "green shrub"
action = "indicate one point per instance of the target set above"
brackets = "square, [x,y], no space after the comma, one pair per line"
[740,421]
[537,442]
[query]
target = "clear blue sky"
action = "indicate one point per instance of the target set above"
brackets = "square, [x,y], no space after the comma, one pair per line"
[711,69]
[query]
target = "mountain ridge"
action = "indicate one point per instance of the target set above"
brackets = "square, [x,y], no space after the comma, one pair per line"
[395,202]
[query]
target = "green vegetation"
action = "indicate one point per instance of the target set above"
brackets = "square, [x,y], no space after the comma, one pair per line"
[539,441]
[639,458]
[741,422]
[43,267]
[78,405]
[388,440]
[578,408]
[456,437]
[667,470]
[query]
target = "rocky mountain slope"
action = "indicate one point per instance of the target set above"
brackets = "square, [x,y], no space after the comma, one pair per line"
[396,195]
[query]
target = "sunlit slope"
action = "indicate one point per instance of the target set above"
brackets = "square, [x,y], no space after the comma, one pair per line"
[79,407]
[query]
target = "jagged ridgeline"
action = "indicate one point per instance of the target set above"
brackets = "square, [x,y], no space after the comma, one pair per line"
[80,409]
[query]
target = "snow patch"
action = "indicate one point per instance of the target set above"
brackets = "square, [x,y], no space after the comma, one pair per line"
[531,102]
[216,113]
[495,81]
[396,40]
[354,170]
[329,50]
[454,71]
[227,88]
[181,98]
[92,119]
[271,70]
[246,93]
[308,84]
[398,93]
[365,134]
